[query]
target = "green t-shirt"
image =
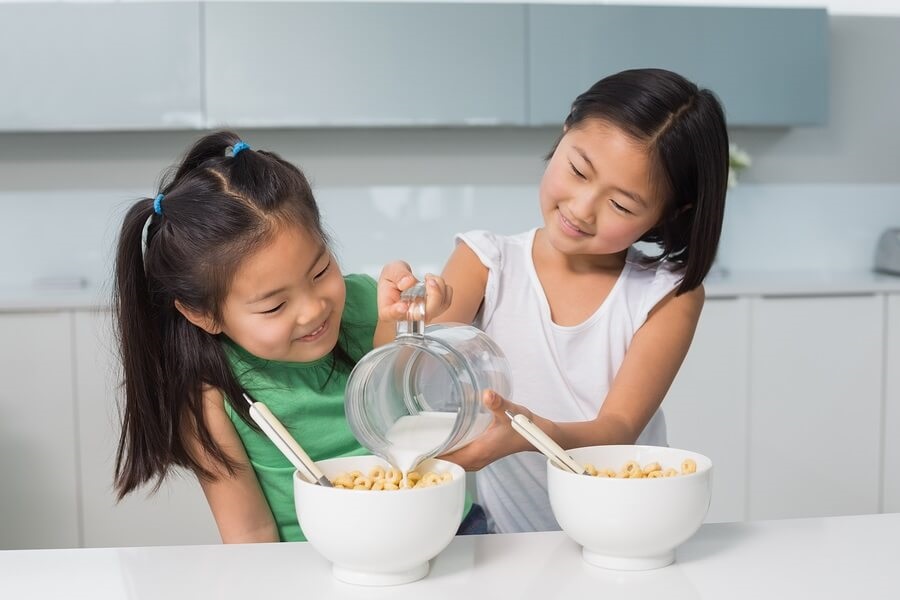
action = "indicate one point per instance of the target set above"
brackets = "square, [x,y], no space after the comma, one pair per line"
[308,399]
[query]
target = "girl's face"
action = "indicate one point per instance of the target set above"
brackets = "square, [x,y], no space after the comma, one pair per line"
[596,194]
[285,301]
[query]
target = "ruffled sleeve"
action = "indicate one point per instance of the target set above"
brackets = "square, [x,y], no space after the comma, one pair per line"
[487,248]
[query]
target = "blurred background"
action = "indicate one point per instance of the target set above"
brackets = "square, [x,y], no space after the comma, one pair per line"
[417,120]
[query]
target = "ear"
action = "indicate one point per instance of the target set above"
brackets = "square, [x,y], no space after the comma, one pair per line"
[201,320]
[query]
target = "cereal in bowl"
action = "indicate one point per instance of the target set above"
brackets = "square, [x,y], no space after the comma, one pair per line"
[381,479]
[634,470]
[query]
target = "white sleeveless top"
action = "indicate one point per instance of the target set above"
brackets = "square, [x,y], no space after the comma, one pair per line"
[560,373]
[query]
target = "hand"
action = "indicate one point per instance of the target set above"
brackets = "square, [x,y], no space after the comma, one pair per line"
[397,277]
[499,440]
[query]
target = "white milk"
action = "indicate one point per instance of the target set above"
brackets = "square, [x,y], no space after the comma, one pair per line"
[414,435]
[411,436]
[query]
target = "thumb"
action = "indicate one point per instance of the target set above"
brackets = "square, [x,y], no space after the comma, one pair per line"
[494,402]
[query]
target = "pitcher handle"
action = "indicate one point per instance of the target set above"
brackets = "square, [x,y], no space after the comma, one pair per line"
[415,314]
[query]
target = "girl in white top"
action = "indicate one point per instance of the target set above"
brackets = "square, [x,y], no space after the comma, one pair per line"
[594,330]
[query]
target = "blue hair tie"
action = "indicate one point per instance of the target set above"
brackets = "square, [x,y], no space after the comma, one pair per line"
[236,149]
[157,204]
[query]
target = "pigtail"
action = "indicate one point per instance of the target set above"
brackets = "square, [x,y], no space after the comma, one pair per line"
[141,449]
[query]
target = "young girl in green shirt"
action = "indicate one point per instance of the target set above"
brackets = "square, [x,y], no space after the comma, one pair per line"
[224,284]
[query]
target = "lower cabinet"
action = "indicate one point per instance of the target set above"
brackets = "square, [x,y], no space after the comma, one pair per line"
[815,406]
[795,400]
[38,452]
[891,428]
[177,513]
[706,406]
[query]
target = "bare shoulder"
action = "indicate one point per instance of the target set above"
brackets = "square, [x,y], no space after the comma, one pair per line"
[467,277]
[688,304]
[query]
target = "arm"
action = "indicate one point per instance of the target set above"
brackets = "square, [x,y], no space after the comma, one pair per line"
[467,277]
[650,366]
[237,502]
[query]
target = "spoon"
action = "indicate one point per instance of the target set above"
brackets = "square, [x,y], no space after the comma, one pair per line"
[544,443]
[283,440]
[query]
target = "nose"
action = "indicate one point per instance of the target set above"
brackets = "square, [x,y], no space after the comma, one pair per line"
[583,207]
[311,311]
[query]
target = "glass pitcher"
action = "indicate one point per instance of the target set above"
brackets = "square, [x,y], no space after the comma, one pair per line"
[421,395]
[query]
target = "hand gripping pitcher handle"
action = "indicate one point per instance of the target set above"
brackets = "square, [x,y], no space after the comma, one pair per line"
[415,313]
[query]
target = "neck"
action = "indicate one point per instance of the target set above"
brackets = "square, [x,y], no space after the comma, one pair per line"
[545,252]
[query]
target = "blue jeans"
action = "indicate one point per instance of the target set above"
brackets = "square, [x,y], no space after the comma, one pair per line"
[475,522]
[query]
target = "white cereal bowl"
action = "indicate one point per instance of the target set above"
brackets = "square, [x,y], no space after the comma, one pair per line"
[379,537]
[630,524]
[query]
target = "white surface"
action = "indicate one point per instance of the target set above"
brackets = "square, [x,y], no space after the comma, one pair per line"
[38,452]
[826,558]
[891,423]
[630,524]
[815,406]
[712,387]
[831,253]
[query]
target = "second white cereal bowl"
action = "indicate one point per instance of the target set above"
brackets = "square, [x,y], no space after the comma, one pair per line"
[379,537]
[630,524]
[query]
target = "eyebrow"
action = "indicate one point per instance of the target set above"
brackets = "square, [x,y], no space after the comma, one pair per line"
[636,197]
[267,295]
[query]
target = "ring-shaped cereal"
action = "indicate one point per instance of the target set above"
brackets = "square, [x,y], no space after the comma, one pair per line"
[688,466]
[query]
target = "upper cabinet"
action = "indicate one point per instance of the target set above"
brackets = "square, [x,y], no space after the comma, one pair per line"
[80,67]
[769,66]
[195,65]
[317,64]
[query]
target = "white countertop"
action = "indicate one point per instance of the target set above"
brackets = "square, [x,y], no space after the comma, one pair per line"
[719,284]
[821,558]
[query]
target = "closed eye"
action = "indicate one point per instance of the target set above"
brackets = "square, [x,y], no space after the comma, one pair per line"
[273,310]
[322,273]
[619,207]
[576,171]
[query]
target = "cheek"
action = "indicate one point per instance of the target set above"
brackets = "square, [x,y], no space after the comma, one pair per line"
[552,188]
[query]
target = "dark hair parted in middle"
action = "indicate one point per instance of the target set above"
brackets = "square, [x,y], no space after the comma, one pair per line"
[683,130]
[217,208]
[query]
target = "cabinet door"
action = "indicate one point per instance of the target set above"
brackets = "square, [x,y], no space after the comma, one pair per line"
[769,66]
[177,513]
[891,430]
[283,64]
[100,66]
[815,406]
[38,453]
[706,407]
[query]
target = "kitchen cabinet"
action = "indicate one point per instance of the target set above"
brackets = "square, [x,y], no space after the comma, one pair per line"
[891,428]
[177,513]
[319,64]
[107,66]
[769,66]
[816,368]
[38,448]
[706,407]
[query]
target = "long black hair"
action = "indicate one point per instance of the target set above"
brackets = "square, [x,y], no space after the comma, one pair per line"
[683,128]
[217,207]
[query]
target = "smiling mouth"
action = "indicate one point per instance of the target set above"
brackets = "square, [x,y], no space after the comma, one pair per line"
[569,226]
[314,335]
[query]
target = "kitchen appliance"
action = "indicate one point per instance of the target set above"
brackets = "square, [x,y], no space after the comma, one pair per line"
[887,253]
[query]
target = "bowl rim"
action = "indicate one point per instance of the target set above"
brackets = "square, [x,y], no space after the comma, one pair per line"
[701,470]
[300,480]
